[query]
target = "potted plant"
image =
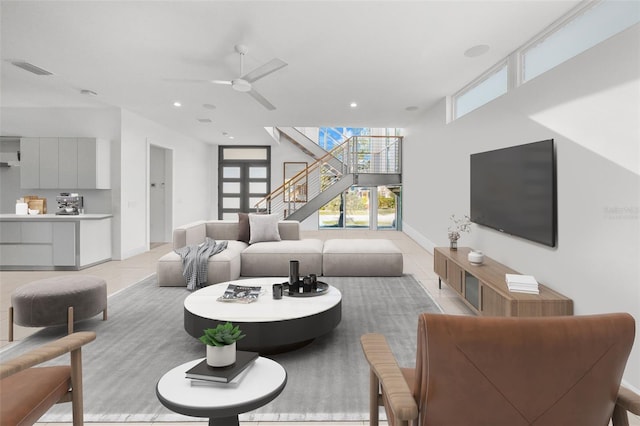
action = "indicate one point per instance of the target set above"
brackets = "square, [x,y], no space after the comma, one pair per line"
[458,226]
[221,344]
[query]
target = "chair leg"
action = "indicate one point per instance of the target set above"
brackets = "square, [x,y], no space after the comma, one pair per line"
[11,323]
[374,391]
[76,388]
[70,320]
[104,314]
[619,417]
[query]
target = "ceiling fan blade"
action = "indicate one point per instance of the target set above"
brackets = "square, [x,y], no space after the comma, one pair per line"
[191,80]
[258,97]
[184,80]
[264,70]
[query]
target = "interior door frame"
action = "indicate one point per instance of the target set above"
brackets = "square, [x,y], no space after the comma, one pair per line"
[167,226]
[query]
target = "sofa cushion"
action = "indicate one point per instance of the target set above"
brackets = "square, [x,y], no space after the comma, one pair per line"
[271,259]
[361,258]
[244,232]
[263,227]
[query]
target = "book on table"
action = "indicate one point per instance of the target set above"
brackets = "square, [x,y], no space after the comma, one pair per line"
[202,371]
[240,294]
[522,283]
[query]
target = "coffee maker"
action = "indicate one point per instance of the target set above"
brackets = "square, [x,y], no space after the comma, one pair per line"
[70,203]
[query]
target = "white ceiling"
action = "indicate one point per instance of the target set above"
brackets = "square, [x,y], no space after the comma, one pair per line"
[384,55]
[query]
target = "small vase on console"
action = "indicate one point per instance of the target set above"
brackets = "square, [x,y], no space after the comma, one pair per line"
[453,240]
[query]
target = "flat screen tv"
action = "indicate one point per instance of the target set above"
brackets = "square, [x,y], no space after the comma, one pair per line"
[513,190]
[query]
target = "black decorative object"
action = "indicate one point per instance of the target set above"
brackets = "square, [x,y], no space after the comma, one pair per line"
[277,291]
[294,291]
[294,272]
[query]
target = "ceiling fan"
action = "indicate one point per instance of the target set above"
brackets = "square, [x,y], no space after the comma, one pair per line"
[244,82]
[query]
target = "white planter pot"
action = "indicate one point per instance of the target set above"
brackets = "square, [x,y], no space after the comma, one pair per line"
[221,356]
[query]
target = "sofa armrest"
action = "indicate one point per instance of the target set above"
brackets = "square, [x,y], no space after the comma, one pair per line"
[46,352]
[186,235]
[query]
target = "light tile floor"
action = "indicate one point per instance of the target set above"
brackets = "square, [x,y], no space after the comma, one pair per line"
[121,274]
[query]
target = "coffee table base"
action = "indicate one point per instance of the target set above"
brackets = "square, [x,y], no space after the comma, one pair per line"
[274,336]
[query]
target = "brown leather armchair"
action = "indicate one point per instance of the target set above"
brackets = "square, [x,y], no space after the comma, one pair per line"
[27,392]
[488,371]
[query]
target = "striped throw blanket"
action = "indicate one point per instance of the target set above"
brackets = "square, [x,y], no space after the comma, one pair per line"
[195,260]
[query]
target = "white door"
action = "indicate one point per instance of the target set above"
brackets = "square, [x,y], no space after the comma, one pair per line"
[160,166]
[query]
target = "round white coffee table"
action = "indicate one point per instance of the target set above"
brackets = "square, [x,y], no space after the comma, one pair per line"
[261,383]
[271,325]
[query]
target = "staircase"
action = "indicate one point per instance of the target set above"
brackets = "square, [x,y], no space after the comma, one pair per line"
[359,161]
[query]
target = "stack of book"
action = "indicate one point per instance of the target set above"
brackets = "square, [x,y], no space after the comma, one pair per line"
[205,373]
[522,283]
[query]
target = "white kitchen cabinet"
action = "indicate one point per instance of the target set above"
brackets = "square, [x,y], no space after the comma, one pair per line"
[49,160]
[94,163]
[68,163]
[54,242]
[30,162]
[65,163]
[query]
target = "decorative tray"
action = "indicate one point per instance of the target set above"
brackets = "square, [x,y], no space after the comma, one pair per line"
[322,289]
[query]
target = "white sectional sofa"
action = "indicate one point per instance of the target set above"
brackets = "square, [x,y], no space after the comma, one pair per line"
[370,257]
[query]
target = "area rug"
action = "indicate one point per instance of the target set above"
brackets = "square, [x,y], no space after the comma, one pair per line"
[144,338]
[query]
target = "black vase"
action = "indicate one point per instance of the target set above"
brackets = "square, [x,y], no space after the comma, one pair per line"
[294,272]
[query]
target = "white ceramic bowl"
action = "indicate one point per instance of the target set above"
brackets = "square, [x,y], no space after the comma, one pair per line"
[476,257]
[31,211]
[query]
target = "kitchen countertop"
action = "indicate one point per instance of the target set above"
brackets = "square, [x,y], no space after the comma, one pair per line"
[52,217]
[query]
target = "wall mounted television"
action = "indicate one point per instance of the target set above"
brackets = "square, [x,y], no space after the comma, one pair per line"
[513,190]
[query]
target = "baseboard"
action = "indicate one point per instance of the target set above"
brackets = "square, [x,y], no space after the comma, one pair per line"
[424,242]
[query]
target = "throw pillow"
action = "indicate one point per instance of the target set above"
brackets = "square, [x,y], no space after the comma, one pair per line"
[243,228]
[263,227]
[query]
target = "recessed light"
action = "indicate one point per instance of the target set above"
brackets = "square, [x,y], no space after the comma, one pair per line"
[88,92]
[208,106]
[353,105]
[411,108]
[177,104]
[204,120]
[477,50]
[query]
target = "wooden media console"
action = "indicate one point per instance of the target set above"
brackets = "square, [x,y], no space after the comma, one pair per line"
[483,287]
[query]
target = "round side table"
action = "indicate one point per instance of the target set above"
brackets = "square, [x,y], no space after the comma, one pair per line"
[261,383]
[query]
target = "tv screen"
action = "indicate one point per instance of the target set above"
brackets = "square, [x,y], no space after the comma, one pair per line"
[513,190]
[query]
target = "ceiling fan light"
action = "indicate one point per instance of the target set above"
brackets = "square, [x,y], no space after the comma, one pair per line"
[241,85]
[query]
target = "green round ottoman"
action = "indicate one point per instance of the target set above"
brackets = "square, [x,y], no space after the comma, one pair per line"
[58,300]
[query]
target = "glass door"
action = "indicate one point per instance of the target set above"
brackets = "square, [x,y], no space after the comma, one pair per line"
[243,179]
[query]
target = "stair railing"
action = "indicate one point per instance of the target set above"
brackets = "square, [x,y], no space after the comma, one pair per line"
[357,155]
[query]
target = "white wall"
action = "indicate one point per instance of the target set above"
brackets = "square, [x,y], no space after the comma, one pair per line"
[193,170]
[590,105]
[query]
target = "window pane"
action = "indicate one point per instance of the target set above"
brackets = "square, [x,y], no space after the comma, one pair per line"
[231,172]
[482,93]
[257,172]
[231,203]
[229,216]
[258,187]
[357,211]
[245,153]
[231,187]
[253,201]
[583,32]
[386,208]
